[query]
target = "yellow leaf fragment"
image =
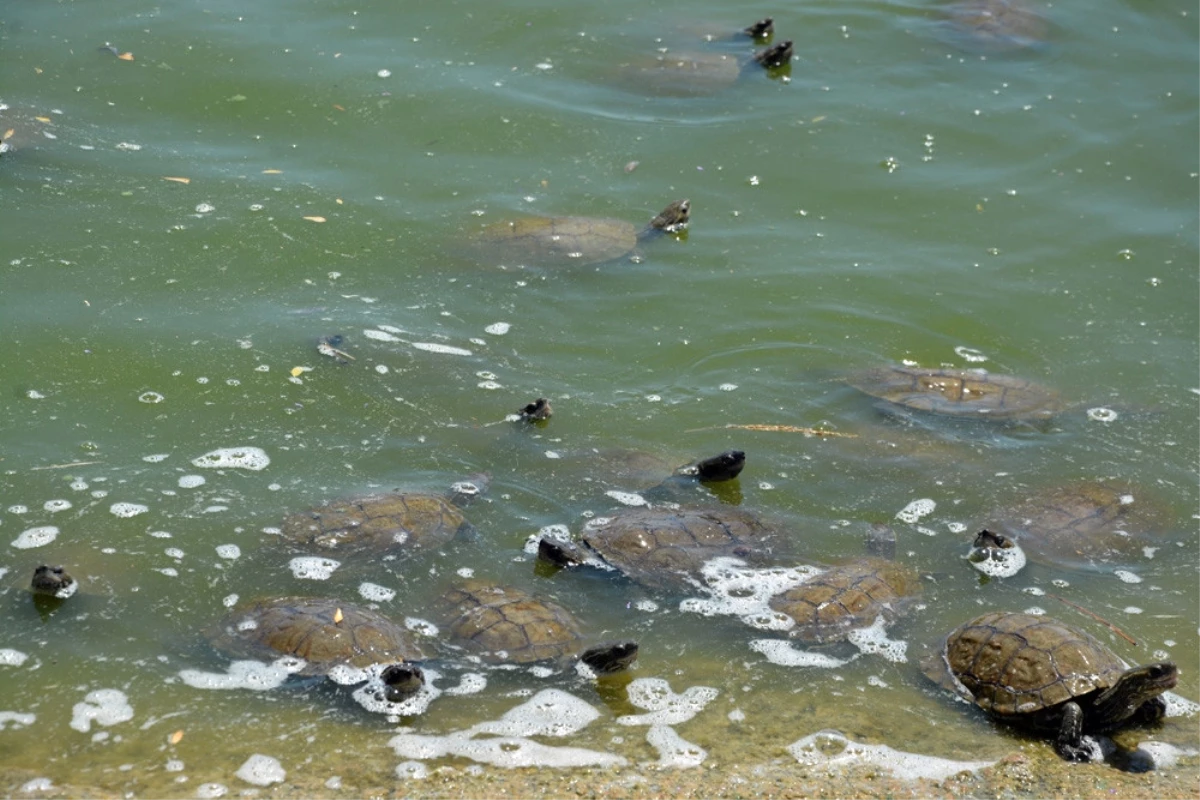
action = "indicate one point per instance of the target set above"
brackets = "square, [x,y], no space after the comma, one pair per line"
[43,119]
[315,219]
[338,201]
[297,372]
[176,737]
[8,134]
[272,172]
[337,616]
[177,180]
[126,56]
[339,108]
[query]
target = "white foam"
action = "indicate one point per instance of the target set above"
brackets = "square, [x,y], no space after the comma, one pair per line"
[736,590]
[12,658]
[380,336]
[229,551]
[498,328]
[16,719]
[421,626]
[313,568]
[821,749]
[998,562]
[550,712]
[1127,577]
[444,349]
[375,593]
[673,749]
[252,458]
[627,498]
[371,694]
[665,707]
[56,505]
[780,651]
[470,683]
[261,770]
[35,537]
[916,510]
[209,791]
[253,675]
[104,706]
[191,481]
[18,509]
[37,785]
[1180,706]
[412,770]
[1165,755]
[126,510]
[873,639]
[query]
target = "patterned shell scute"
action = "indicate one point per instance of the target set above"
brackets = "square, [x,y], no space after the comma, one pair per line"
[663,549]
[505,624]
[854,595]
[960,393]
[321,631]
[1015,664]
[395,522]
[543,241]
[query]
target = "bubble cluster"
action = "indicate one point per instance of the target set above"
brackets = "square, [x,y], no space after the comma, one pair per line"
[35,537]
[998,562]
[209,791]
[16,720]
[126,510]
[371,694]
[253,675]
[783,653]
[832,749]
[1126,576]
[261,770]
[873,640]
[12,658]
[737,590]
[313,568]
[665,707]
[375,593]
[191,481]
[251,458]
[103,706]
[56,505]
[444,349]
[916,510]
[627,498]
[673,749]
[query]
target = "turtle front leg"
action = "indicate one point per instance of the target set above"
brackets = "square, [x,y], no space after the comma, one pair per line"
[1070,743]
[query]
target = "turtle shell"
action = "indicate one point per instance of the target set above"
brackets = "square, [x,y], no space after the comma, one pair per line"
[665,549]
[1082,524]
[323,632]
[996,26]
[1019,665]
[827,607]
[394,523]
[547,241]
[690,74]
[507,625]
[960,393]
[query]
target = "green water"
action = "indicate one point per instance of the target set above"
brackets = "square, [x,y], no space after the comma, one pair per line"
[899,197]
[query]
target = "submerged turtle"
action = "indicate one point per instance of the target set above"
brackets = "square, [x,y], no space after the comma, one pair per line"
[995,26]
[1085,524]
[394,523]
[689,73]
[1039,673]
[972,394]
[552,241]
[663,548]
[53,582]
[325,634]
[507,625]
[537,411]
[641,471]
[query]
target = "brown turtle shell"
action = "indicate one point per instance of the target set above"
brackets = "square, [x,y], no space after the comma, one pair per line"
[960,393]
[393,523]
[1082,524]
[665,549]
[507,625]
[997,26]
[323,632]
[854,595]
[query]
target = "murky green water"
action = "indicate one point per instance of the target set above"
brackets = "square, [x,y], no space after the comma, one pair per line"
[898,198]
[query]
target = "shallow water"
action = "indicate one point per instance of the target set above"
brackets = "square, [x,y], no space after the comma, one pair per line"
[900,197]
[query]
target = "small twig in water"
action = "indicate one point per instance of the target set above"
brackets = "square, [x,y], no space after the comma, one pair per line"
[1096,617]
[63,466]
[779,429]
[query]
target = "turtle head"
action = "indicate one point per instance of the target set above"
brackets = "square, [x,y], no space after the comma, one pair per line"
[761,30]
[401,681]
[1136,687]
[776,55]
[52,581]
[537,411]
[673,218]
[723,467]
[610,656]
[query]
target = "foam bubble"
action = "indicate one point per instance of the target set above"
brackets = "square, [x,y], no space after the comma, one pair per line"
[253,675]
[126,510]
[261,770]
[832,749]
[380,336]
[470,683]
[375,592]
[12,658]
[779,651]
[873,639]
[252,458]
[627,498]
[313,568]
[156,458]
[674,750]
[739,591]
[412,770]
[665,707]
[550,712]
[104,706]
[36,537]
[498,328]
[1127,577]
[37,785]
[191,481]
[998,562]
[209,791]
[56,505]
[916,510]
[1178,706]
[16,719]
[504,751]
[444,349]
[18,509]
[229,551]
[371,694]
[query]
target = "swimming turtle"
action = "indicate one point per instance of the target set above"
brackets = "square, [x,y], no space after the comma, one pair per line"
[553,241]
[537,411]
[325,633]
[664,548]
[642,471]
[690,73]
[963,393]
[1082,524]
[395,523]
[995,26]
[1040,673]
[53,582]
[760,31]
[505,624]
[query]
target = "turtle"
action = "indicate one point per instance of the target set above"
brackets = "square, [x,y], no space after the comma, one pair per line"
[664,548]
[692,73]
[1042,674]
[555,241]
[537,411]
[995,26]
[393,523]
[642,471]
[505,624]
[1079,525]
[760,32]
[54,582]
[970,394]
[324,633]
